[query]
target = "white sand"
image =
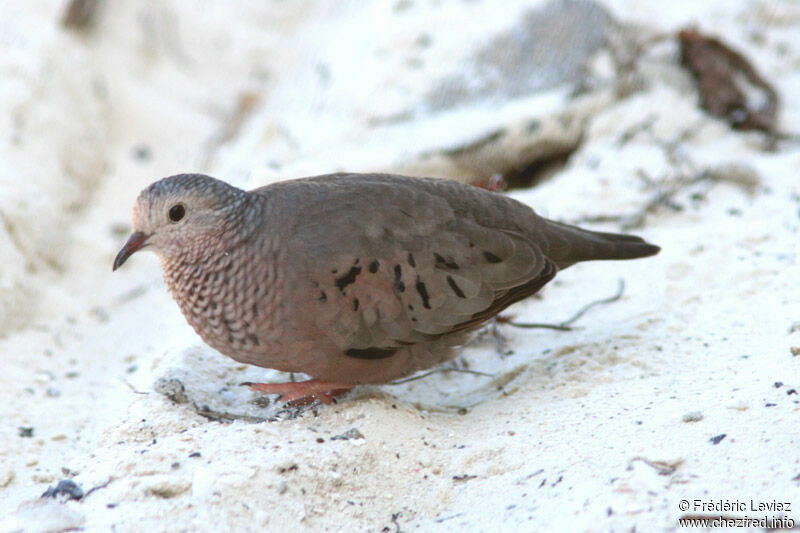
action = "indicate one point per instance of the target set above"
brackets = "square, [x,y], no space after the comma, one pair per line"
[581,430]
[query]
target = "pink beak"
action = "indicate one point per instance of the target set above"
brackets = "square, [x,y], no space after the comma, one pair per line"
[136,242]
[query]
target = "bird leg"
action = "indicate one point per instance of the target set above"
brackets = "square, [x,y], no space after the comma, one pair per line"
[302,392]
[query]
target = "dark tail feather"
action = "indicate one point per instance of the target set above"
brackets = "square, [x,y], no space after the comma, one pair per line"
[570,244]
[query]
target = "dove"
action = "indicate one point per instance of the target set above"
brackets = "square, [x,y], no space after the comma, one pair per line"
[350,279]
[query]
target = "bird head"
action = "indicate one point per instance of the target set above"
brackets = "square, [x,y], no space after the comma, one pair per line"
[181,214]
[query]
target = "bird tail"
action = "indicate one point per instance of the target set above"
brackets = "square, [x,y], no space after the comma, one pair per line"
[571,244]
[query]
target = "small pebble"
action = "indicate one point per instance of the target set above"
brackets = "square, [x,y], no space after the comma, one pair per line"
[692,416]
[65,487]
[351,433]
[25,432]
[142,152]
[6,478]
[261,401]
[717,439]
[172,388]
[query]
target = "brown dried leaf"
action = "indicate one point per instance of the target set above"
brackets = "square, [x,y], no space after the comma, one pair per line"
[724,79]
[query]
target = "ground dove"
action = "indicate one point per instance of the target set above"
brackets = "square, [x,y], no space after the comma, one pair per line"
[350,278]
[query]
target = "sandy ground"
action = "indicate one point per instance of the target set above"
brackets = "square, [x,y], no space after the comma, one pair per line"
[685,388]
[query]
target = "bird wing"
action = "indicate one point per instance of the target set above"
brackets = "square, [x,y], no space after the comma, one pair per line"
[390,262]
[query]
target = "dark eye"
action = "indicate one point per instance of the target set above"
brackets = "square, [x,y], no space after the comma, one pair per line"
[176,212]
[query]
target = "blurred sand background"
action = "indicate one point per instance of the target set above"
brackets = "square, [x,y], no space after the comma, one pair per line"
[683,389]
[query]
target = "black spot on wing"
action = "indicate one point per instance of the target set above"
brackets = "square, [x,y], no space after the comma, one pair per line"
[398,281]
[355,304]
[446,263]
[423,293]
[349,278]
[455,287]
[371,353]
[373,267]
[411,260]
[490,257]
[323,297]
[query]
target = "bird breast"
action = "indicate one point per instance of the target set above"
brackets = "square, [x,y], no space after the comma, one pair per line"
[225,298]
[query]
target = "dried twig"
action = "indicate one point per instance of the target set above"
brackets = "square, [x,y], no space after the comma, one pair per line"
[566,325]
[644,125]
[395,516]
[98,487]
[441,371]
[216,416]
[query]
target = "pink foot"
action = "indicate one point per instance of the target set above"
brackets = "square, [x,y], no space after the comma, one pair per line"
[496,183]
[302,392]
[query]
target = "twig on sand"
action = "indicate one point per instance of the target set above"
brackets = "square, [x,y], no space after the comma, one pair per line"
[441,371]
[683,175]
[98,487]
[217,416]
[567,324]
[395,516]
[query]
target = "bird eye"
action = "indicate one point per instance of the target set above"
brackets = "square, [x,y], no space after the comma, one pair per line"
[176,212]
